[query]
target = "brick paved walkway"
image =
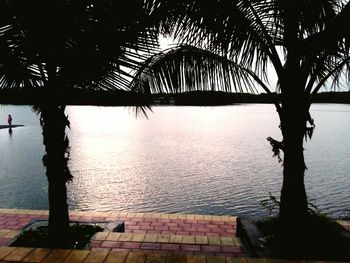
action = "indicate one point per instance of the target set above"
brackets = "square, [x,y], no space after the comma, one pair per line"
[145,233]
[148,237]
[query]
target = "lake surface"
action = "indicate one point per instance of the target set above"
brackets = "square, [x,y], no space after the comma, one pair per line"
[181,159]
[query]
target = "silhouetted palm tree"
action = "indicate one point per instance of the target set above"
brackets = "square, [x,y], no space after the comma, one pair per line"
[55,46]
[306,42]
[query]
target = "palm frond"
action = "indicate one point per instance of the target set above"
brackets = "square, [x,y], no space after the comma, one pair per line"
[93,44]
[188,68]
[244,31]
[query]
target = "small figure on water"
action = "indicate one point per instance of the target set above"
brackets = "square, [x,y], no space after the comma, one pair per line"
[9,120]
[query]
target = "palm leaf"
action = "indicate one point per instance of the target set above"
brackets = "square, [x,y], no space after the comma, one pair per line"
[188,68]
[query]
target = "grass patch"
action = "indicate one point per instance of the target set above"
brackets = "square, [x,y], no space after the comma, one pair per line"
[80,235]
[317,238]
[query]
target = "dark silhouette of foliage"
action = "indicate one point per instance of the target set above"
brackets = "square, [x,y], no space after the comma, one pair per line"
[55,46]
[306,43]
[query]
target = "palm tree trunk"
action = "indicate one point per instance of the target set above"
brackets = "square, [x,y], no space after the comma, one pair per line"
[54,122]
[293,195]
[293,206]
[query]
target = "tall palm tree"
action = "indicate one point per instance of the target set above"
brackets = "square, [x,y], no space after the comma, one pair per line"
[306,42]
[55,46]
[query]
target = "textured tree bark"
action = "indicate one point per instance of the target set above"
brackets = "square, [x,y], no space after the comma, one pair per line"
[294,116]
[54,122]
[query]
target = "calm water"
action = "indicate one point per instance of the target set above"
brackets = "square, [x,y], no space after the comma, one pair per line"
[181,159]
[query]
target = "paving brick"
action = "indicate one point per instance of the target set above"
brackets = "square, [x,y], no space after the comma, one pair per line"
[185,247]
[214,222]
[164,220]
[189,229]
[156,258]
[132,227]
[211,234]
[201,240]
[171,247]
[191,221]
[116,256]
[173,216]
[138,237]
[163,238]
[95,243]
[158,224]
[125,237]
[235,260]
[100,236]
[12,222]
[18,254]
[5,241]
[12,234]
[130,245]
[4,251]
[183,233]
[37,255]
[152,231]
[136,258]
[202,230]
[113,236]
[181,216]
[198,217]
[256,260]
[232,249]
[208,248]
[177,220]
[170,224]
[150,246]
[140,231]
[4,232]
[218,218]
[147,228]
[214,240]
[164,216]
[188,240]
[196,259]
[226,234]
[57,255]
[76,256]
[225,218]
[207,217]
[162,228]
[227,241]
[13,227]
[226,227]
[143,223]
[190,217]
[176,258]
[130,215]
[156,215]
[217,230]
[96,255]
[216,259]
[175,228]
[110,244]
[176,239]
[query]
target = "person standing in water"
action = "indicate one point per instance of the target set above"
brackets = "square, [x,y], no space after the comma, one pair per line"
[9,120]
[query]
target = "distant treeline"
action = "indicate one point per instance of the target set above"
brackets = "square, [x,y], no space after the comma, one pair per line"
[73,97]
[206,98]
[124,98]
